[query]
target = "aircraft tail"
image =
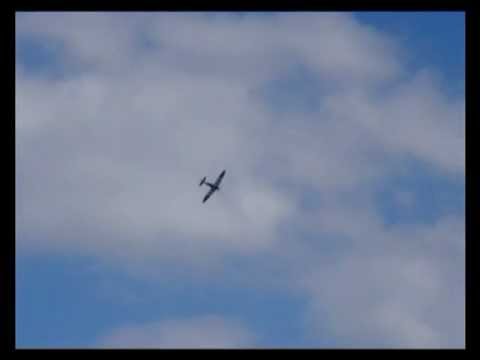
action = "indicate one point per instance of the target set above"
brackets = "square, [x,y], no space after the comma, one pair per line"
[203,181]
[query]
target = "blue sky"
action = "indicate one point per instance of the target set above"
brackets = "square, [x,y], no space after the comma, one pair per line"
[437,39]
[330,184]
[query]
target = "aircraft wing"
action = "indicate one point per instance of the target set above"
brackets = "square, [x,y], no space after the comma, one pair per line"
[210,192]
[219,179]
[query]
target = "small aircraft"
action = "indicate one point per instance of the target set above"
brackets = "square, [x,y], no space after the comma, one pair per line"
[213,187]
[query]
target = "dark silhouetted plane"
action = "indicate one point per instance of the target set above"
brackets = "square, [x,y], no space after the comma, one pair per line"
[213,187]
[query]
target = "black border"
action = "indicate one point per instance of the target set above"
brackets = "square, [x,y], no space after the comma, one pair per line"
[7,299]
[472,196]
[299,5]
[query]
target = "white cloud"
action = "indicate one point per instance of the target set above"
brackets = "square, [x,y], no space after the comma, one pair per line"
[109,155]
[404,288]
[415,119]
[208,331]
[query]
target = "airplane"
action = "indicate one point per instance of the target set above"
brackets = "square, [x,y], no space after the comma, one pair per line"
[213,187]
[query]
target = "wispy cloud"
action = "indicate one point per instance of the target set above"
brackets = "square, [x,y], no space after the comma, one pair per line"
[395,288]
[209,331]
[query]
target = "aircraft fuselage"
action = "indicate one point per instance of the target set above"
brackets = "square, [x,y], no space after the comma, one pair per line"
[212,186]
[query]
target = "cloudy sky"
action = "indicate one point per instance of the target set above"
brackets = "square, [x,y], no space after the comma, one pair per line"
[340,222]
